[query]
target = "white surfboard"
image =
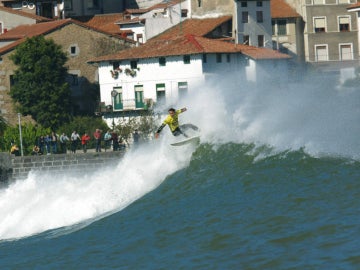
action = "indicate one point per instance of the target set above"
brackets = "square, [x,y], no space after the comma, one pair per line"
[195,139]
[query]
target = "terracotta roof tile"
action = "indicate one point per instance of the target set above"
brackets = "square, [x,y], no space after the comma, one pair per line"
[281,9]
[196,27]
[25,14]
[106,22]
[187,45]
[356,5]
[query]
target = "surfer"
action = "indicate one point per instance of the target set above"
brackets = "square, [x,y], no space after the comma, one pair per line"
[172,120]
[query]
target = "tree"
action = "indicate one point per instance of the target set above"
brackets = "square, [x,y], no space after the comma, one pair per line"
[40,87]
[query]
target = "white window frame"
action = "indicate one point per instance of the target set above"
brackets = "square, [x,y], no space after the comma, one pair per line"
[327,52]
[352,51]
[344,16]
[319,17]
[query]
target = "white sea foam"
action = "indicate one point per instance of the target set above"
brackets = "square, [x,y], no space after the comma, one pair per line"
[43,202]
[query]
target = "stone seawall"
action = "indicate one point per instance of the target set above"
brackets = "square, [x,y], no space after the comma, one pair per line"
[14,168]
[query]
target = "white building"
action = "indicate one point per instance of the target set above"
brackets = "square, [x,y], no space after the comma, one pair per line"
[163,71]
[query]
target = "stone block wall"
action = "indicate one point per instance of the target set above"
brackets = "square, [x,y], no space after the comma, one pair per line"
[19,167]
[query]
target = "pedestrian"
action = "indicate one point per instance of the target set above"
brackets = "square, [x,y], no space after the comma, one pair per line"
[97,136]
[54,141]
[63,143]
[48,144]
[107,139]
[84,141]
[115,141]
[136,137]
[75,138]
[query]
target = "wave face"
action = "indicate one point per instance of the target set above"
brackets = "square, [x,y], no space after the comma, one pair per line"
[273,185]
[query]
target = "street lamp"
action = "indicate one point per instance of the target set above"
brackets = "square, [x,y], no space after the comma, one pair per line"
[20,134]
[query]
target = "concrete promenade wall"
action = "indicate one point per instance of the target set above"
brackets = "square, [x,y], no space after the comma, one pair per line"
[14,168]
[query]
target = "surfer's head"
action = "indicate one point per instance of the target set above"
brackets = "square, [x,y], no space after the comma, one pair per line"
[171,111]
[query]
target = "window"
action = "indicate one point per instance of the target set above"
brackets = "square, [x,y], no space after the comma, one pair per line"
[139,38]
[186,59]
[259,4]
[318,2]
[139,96]
[117,98]
[245,17]
[346,52]
[260,41]
[321,53]
[182,89]
[184,13]
[73,79]
[218,58]
[273,27]
[281,25]
[319,25]
[259,16]
[160,92]
[344,23]
[93,4]
[243,4]
[228,58]
[73,50]
[116,65]
[68,5]
[344,2]
[204,58]
[162,61]
[133,64]
[246,39]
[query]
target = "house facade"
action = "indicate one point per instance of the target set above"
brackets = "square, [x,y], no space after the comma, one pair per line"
[45,8]
[252,21]
[80,43]
[287,30]
[163,71]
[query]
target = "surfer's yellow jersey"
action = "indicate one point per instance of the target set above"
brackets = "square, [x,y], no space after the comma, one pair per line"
[173,120]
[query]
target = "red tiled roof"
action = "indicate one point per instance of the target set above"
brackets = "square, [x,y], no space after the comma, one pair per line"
[22,32]
[196,27]
[136,11]
[106,22]
[25,14]
[187,45]
[131,21]
[281,9]
[354,6]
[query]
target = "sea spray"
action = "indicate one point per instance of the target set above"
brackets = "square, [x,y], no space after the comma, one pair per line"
[44,202]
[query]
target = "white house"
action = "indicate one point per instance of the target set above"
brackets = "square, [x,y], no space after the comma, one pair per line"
[163,71]
[143,24]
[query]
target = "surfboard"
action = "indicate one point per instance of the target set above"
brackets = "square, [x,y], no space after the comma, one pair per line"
[195,139]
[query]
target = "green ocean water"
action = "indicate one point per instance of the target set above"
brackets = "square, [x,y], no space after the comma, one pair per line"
[228,209]
[273,184]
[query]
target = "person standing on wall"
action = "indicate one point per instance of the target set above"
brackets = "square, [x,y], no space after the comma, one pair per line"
[97,136]
[84,141]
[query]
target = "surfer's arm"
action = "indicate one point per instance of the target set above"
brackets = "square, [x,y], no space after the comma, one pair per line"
[159,130]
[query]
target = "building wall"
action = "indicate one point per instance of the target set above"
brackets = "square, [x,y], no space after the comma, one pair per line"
[9,20]
[175,71]
[204,8]
[332,37]
[253,28]
[18,168]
